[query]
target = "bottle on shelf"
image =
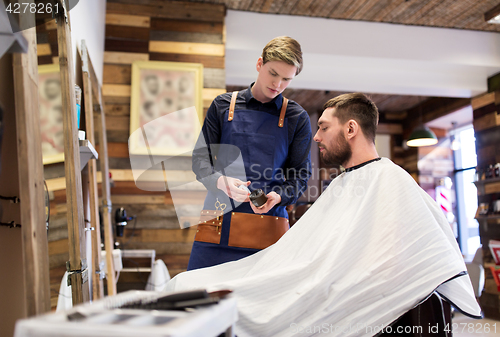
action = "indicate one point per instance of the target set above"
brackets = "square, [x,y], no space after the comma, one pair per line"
[78,94]
[484,208]
[489,172]
[496,206]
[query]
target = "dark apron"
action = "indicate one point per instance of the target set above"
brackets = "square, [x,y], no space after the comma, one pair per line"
[262,139]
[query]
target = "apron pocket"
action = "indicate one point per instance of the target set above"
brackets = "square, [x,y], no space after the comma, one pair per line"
[255,230]
[209,227]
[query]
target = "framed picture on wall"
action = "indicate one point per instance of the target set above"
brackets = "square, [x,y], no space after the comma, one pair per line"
[166,107]
[51,117]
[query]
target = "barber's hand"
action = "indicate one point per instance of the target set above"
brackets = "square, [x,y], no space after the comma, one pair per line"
[273,198]
[230,186]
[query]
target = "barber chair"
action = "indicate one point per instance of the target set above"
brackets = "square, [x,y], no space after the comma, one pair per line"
[429,319]
[297,212]
[476,272]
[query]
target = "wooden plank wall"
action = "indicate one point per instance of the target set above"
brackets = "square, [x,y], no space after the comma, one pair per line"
[174,32]
[486,112]
[47,52]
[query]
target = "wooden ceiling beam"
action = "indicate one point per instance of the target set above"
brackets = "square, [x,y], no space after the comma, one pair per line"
[492,13]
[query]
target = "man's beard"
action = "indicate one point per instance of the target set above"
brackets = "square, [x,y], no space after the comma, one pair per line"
[339,153]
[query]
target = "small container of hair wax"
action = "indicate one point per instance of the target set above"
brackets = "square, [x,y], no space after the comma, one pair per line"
[258,198]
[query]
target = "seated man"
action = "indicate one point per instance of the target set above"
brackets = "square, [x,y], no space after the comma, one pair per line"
[372,247]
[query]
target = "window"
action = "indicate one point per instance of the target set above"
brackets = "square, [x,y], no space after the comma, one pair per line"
[464,146]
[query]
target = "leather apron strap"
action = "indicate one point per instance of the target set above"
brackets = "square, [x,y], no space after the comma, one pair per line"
[231,106]
[233,103]
[283,112]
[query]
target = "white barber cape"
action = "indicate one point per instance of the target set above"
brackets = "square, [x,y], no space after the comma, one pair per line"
[372,247]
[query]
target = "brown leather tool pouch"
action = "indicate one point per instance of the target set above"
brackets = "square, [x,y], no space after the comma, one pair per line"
[209,226]
[255,230]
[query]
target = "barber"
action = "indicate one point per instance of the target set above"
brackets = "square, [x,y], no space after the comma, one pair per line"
[252,139]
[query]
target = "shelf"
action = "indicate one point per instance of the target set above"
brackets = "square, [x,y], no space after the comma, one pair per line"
[87,152]
[137,270]
[139,253]
[487,217]
[491,264]
[487,181]
[488,186]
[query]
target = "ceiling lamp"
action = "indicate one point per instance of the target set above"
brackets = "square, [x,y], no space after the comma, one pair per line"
[422,136]
[493,15]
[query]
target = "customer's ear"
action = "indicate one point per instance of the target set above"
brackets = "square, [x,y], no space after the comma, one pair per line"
[352,128]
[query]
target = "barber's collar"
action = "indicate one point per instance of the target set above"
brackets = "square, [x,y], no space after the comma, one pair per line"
[278,100]
[349,169]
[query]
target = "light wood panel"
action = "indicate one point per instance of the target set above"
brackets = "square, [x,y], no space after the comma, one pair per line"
[106,204]
[90,188]
[76,225]
[43,49]
[30,168]
[119,90]
[117,74]
[482,100]
[128,20]
[124,58]
[207,60]
[209,49]
[209,95]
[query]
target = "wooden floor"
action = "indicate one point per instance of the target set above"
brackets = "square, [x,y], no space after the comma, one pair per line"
[464,326]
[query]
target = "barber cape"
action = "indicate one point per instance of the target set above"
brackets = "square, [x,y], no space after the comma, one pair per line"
[372,247]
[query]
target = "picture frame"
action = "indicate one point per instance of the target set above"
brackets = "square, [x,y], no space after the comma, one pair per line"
[166,108]
[51,115]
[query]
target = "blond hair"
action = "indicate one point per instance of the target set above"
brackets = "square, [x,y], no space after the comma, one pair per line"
[283,48]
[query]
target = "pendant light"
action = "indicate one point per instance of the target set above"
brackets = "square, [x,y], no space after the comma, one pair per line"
[421,135]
